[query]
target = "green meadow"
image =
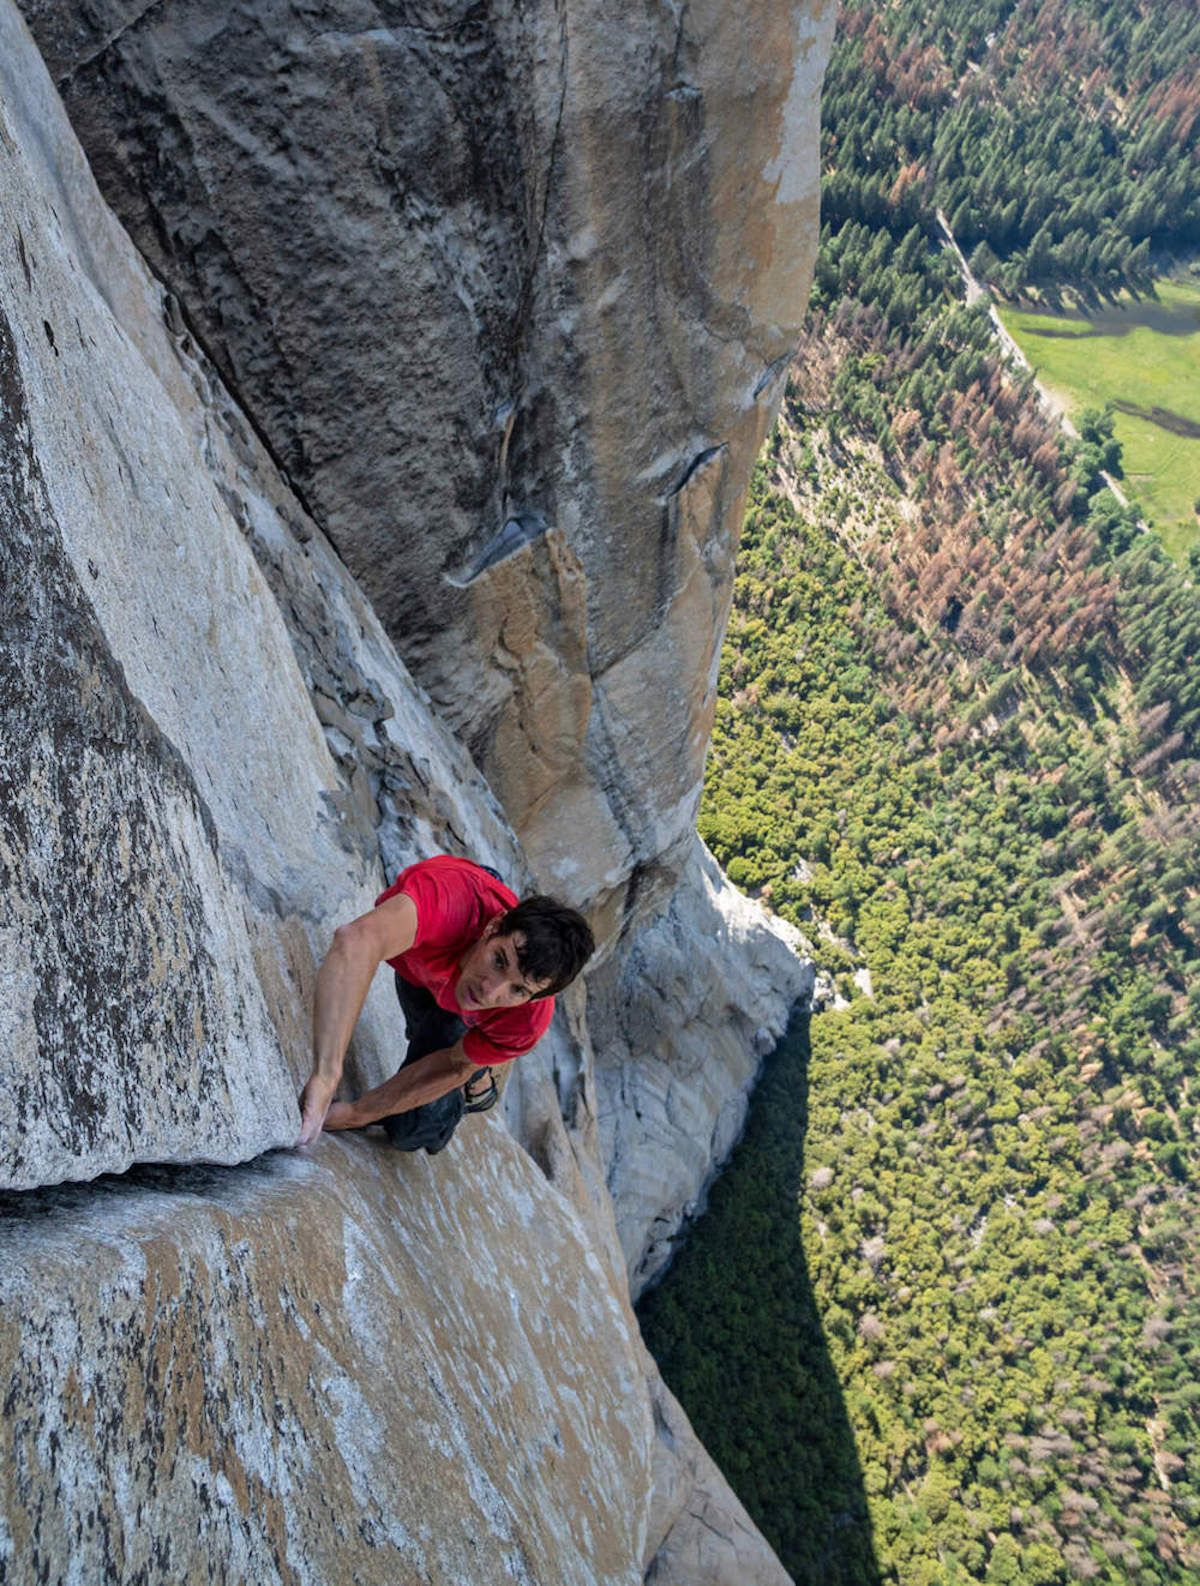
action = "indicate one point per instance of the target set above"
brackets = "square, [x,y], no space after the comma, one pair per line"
[1143,356]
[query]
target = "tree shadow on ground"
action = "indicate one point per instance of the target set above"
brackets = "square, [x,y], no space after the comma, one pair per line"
[1114,320]
[735,1329]
[1173,423]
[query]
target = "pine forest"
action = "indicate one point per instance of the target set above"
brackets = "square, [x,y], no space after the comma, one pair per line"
[939,1323]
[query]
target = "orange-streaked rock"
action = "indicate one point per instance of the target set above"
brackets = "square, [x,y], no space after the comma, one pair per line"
[351,1365]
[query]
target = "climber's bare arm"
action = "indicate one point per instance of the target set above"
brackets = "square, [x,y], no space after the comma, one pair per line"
[343,981]
[416,1083]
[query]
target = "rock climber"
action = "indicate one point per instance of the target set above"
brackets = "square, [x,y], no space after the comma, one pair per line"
[476,975]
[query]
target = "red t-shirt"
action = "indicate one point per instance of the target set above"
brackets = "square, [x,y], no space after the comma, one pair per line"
[454,900]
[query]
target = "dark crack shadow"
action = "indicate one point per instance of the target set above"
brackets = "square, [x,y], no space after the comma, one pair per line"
[148,1185]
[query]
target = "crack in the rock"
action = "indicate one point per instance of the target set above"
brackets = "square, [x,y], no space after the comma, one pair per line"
[516,533]
[773,370]
[80,66]
[43,1203]
[708,1526]
[694,467]
[475,18]
[539,241]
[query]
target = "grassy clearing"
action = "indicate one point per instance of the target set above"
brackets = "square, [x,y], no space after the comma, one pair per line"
[1144,357]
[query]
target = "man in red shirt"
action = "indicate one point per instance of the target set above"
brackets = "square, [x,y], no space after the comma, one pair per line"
[476,973]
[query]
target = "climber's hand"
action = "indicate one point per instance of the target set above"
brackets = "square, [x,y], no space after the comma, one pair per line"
[315,1101]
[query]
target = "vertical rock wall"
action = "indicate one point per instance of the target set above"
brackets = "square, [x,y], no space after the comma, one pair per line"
[509,290]
[181,829]
[342,1366]
[682,1007]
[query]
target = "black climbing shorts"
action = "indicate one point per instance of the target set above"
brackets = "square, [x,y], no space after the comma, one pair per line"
[430,1028]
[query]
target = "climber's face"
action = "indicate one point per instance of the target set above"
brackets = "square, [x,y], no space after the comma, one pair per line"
[489,975]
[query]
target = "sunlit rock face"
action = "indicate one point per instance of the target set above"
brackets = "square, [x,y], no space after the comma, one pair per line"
[314,1369]
[341,1366]
[194,790]
[694,1007]
[352,1366]
[510,293]
[510,296]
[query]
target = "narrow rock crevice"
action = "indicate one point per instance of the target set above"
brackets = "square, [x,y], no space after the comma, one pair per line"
[43,1205]
[65,79]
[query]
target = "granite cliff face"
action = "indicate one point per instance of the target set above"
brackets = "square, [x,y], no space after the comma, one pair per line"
[302,1372]
[182,829]
[342,1365]
[509,291]
[674,1078]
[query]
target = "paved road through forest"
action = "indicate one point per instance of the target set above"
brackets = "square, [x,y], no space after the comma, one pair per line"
[1052,404]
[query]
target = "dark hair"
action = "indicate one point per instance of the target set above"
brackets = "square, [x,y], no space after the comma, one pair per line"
[558,941]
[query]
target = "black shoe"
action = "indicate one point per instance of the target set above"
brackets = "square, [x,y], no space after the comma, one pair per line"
[481,1100]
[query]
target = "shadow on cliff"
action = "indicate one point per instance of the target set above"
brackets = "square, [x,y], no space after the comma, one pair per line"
[735,1328]
[147,1188]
